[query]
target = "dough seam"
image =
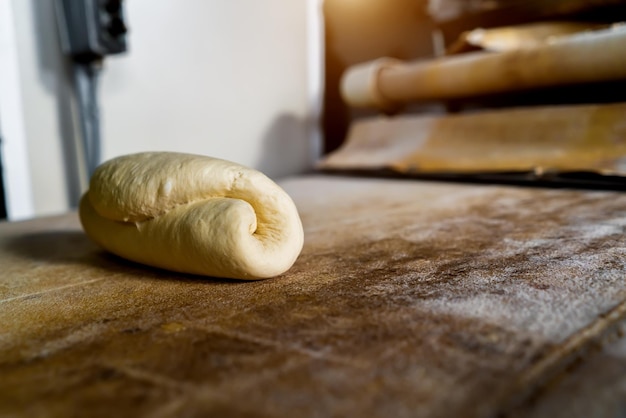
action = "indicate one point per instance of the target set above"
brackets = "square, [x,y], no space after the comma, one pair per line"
[192,214]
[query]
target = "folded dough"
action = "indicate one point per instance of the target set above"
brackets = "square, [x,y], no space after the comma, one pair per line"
[192,214]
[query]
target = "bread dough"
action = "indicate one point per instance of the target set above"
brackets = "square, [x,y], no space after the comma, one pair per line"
[192,214]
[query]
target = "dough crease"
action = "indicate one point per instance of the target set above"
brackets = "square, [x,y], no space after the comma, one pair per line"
[192,214]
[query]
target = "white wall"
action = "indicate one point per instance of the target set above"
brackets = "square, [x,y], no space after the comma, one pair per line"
[227,78]
[15,172]
[40,78]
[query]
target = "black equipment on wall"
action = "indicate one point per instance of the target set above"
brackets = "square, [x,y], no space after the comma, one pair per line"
[90,29]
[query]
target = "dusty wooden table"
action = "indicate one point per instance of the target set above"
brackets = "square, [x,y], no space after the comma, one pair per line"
[409,299]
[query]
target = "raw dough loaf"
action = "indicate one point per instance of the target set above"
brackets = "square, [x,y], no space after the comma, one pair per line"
[192,214]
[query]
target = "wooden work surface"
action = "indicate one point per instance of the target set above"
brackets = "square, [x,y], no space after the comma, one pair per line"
[409,299]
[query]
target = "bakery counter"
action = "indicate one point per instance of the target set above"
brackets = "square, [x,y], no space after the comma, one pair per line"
[410,298]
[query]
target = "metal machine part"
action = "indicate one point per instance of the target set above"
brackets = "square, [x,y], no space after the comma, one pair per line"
[89,30]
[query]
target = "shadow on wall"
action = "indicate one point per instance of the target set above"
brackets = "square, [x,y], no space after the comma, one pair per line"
[55,71]
[288,147]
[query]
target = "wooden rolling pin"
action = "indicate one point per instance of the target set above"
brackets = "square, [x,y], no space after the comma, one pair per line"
[587,57]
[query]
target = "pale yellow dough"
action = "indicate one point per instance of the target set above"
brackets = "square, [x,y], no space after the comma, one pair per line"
[192,214]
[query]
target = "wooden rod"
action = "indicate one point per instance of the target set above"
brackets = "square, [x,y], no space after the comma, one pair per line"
[588,57]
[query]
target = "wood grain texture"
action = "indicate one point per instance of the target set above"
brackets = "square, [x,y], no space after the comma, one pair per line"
[409,299]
